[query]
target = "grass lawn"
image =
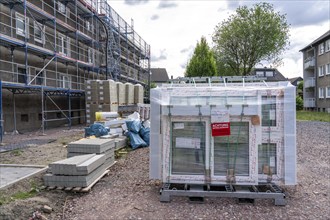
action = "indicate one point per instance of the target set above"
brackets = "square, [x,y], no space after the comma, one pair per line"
[313,116]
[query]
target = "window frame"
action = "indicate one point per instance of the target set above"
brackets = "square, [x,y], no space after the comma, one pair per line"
[321,48]
[327,45]
[321,93]
[327,69]
[61,8]
[25,21]
[91,55]
[65,81]
[327,92]
[274,170]
[37,26]
[321,71]
[266,106]
[64,44]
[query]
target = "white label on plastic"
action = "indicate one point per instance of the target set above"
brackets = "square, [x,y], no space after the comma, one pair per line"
[272,161]
[89,92]
[219,116]
[272,114]
[193,143]
[101,93]
[178,126]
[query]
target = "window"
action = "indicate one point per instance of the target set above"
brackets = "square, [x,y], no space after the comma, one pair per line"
[188,148]
[40,78]
[267,159]
[61,7]
[321,71]
[268,109]
[321,48]
[21,75]
[63,45]
[22,24]
[65,81]
[88,25]
[259,73]
[24,118]
[328,92]
[327,69]
[269,73]
[321,93]
[231,153]
[39,32]
[91,55]
[327,45]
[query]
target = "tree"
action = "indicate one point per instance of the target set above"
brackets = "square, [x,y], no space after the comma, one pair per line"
[251,36]
[202,63]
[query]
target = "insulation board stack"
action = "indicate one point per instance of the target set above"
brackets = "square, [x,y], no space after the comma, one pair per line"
[101,96]
[142,109]
[78,171]
[93,146]
[121,92]
[138,93]
[129,93]
[108,97]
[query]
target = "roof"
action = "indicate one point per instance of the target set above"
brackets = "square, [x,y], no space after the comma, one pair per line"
[296,79]
[276,77]
[158,75]
[318,40]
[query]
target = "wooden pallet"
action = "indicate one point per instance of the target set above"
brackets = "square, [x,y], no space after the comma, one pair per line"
[77,189]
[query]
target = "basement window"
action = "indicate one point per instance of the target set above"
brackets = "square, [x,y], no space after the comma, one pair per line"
[24,118]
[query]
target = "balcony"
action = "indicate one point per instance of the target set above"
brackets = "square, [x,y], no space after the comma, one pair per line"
[309,102]
[309,82]
[309,63]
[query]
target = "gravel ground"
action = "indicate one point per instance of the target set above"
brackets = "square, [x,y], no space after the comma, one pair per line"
[127,192]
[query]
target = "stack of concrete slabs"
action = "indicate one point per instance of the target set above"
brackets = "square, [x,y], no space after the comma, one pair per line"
[77,165]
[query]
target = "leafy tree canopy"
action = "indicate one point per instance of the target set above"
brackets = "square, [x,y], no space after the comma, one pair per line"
[202,63]
[251,36]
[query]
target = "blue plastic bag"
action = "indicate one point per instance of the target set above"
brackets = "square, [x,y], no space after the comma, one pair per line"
[145,134]
[96,129]
[134,126]
[135,140]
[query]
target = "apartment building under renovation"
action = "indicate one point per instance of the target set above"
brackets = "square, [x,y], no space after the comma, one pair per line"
[49,48]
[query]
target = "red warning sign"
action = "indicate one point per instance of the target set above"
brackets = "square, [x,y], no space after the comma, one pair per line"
[220,129]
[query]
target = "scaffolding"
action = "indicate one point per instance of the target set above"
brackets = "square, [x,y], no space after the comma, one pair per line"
[50,48]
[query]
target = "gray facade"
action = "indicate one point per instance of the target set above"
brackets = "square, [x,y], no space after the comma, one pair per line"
[316,58]
[48,49]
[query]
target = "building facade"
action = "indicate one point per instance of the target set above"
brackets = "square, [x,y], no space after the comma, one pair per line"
[48,49]
[316,67]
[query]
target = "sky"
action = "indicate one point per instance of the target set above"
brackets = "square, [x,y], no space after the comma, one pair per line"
[173,28]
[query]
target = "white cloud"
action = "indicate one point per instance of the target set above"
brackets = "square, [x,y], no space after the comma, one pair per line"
[175,30]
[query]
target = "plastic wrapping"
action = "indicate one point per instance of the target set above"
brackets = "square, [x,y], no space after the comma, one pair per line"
[145,134]
[135,140]
[133,125]
[238,133]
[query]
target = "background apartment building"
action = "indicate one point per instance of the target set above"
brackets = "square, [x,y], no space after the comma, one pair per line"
[49,48]
[316,58]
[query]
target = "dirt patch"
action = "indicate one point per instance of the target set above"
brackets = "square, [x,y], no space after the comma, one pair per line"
[127,192]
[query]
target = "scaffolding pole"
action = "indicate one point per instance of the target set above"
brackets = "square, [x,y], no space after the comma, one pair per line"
[1,118]
[42,111]
[14,111]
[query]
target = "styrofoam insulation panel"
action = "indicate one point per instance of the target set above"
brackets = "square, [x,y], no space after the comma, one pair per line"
[121,92]
[138,93]
[129,93]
